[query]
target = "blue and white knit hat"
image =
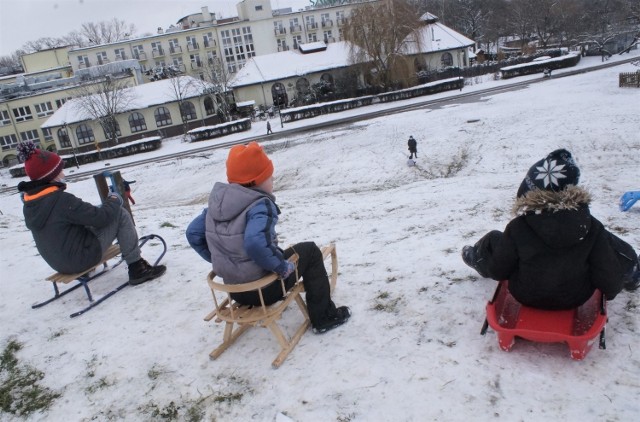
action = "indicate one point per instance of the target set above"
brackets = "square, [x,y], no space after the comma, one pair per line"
[555,172]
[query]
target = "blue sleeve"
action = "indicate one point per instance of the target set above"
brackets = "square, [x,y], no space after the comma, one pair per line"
[196,236]
[260,237]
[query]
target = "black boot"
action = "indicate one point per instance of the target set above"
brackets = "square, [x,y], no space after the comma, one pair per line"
[140,271]
[470,257]
[632,281]
[342,315]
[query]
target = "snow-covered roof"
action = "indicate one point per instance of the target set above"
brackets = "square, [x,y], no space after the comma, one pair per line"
[145,95]
[438,37]
[278,66]
[287,64]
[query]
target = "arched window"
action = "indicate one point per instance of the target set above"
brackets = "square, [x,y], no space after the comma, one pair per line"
[136,122]
[209,106]
[63,137]
[302,85]
[279,95]
[447,60]
[163,116]
[84,134]
[188,111]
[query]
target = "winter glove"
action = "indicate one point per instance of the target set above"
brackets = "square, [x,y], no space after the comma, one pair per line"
[115,197]
[289,268]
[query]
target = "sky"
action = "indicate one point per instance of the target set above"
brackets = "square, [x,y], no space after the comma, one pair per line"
[412,349]
[28,20]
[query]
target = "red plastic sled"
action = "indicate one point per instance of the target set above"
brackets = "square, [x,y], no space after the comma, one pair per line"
[577,327]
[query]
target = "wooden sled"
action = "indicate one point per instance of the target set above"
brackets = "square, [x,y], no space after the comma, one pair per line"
[266,316]
[83,278]
[577,327]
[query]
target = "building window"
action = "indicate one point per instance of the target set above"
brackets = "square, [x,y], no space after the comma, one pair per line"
[4,118]
[211,57]
[30,135]
[297,40]
[258,8]
[22,114]
[178,63]
[163,117]
[47,135]
[63,138]
[44,109]
[209,107]
[101,57]
[120,55]
[9,142]
[174,46]
[311,23]
[278,28]
[156,49]
[446,59]
[208,40]
[195,61]
[83,61]
[188,111]
[137,123]
[60,102]
[192,44]
[138,52]
[312,37]
[328,36]
[84,134]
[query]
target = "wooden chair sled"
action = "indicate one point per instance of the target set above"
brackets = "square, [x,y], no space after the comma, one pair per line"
[266,316]
[577,327]
[83,278]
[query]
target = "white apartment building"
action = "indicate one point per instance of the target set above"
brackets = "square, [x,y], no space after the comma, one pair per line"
[199,39]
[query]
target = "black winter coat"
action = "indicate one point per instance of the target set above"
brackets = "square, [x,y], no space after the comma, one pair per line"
[555,254]
[58,222]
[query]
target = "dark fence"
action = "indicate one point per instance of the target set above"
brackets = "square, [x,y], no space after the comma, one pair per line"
[122,150]
[299,113]
[540,66]
[630,79]
[222,129]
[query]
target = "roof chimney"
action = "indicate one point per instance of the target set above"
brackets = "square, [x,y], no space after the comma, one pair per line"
[160,31]
[206,16]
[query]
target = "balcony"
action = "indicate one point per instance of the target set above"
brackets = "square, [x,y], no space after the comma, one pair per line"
[196,65]
[103,61]
[294,29]
[85,64]
[209,43]
[120,57]
[327,24]
[193,46]
[280,31]
[175,49]
[341,21]
[157,53]
[140,55]
[311,26]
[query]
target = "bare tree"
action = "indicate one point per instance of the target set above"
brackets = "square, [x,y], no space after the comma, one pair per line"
[103,101]
[379,34]
[40,44]
[215,83]
[182,88]
[105,32]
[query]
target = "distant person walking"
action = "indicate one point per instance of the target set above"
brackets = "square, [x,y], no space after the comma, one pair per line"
[269,128]
[413,147]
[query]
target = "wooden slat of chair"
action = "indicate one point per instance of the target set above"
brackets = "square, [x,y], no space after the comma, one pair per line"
[244,317]
[67,278]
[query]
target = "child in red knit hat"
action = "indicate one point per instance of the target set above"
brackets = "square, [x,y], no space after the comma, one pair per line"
[70,234]
[242,245]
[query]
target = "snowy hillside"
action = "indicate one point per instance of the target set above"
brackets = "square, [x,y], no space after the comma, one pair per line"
[412,350]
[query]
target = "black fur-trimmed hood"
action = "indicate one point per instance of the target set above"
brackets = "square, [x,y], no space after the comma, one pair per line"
[538,200]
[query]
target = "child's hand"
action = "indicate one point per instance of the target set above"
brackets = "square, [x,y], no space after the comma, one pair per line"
[288,270]
[115,197]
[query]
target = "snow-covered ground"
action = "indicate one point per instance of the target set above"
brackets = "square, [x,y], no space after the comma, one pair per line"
[412,350]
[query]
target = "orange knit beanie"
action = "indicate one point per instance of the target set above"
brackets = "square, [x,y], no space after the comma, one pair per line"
[248,164]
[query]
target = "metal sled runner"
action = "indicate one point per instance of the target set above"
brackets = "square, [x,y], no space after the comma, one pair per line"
[578,327]
[85,277]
